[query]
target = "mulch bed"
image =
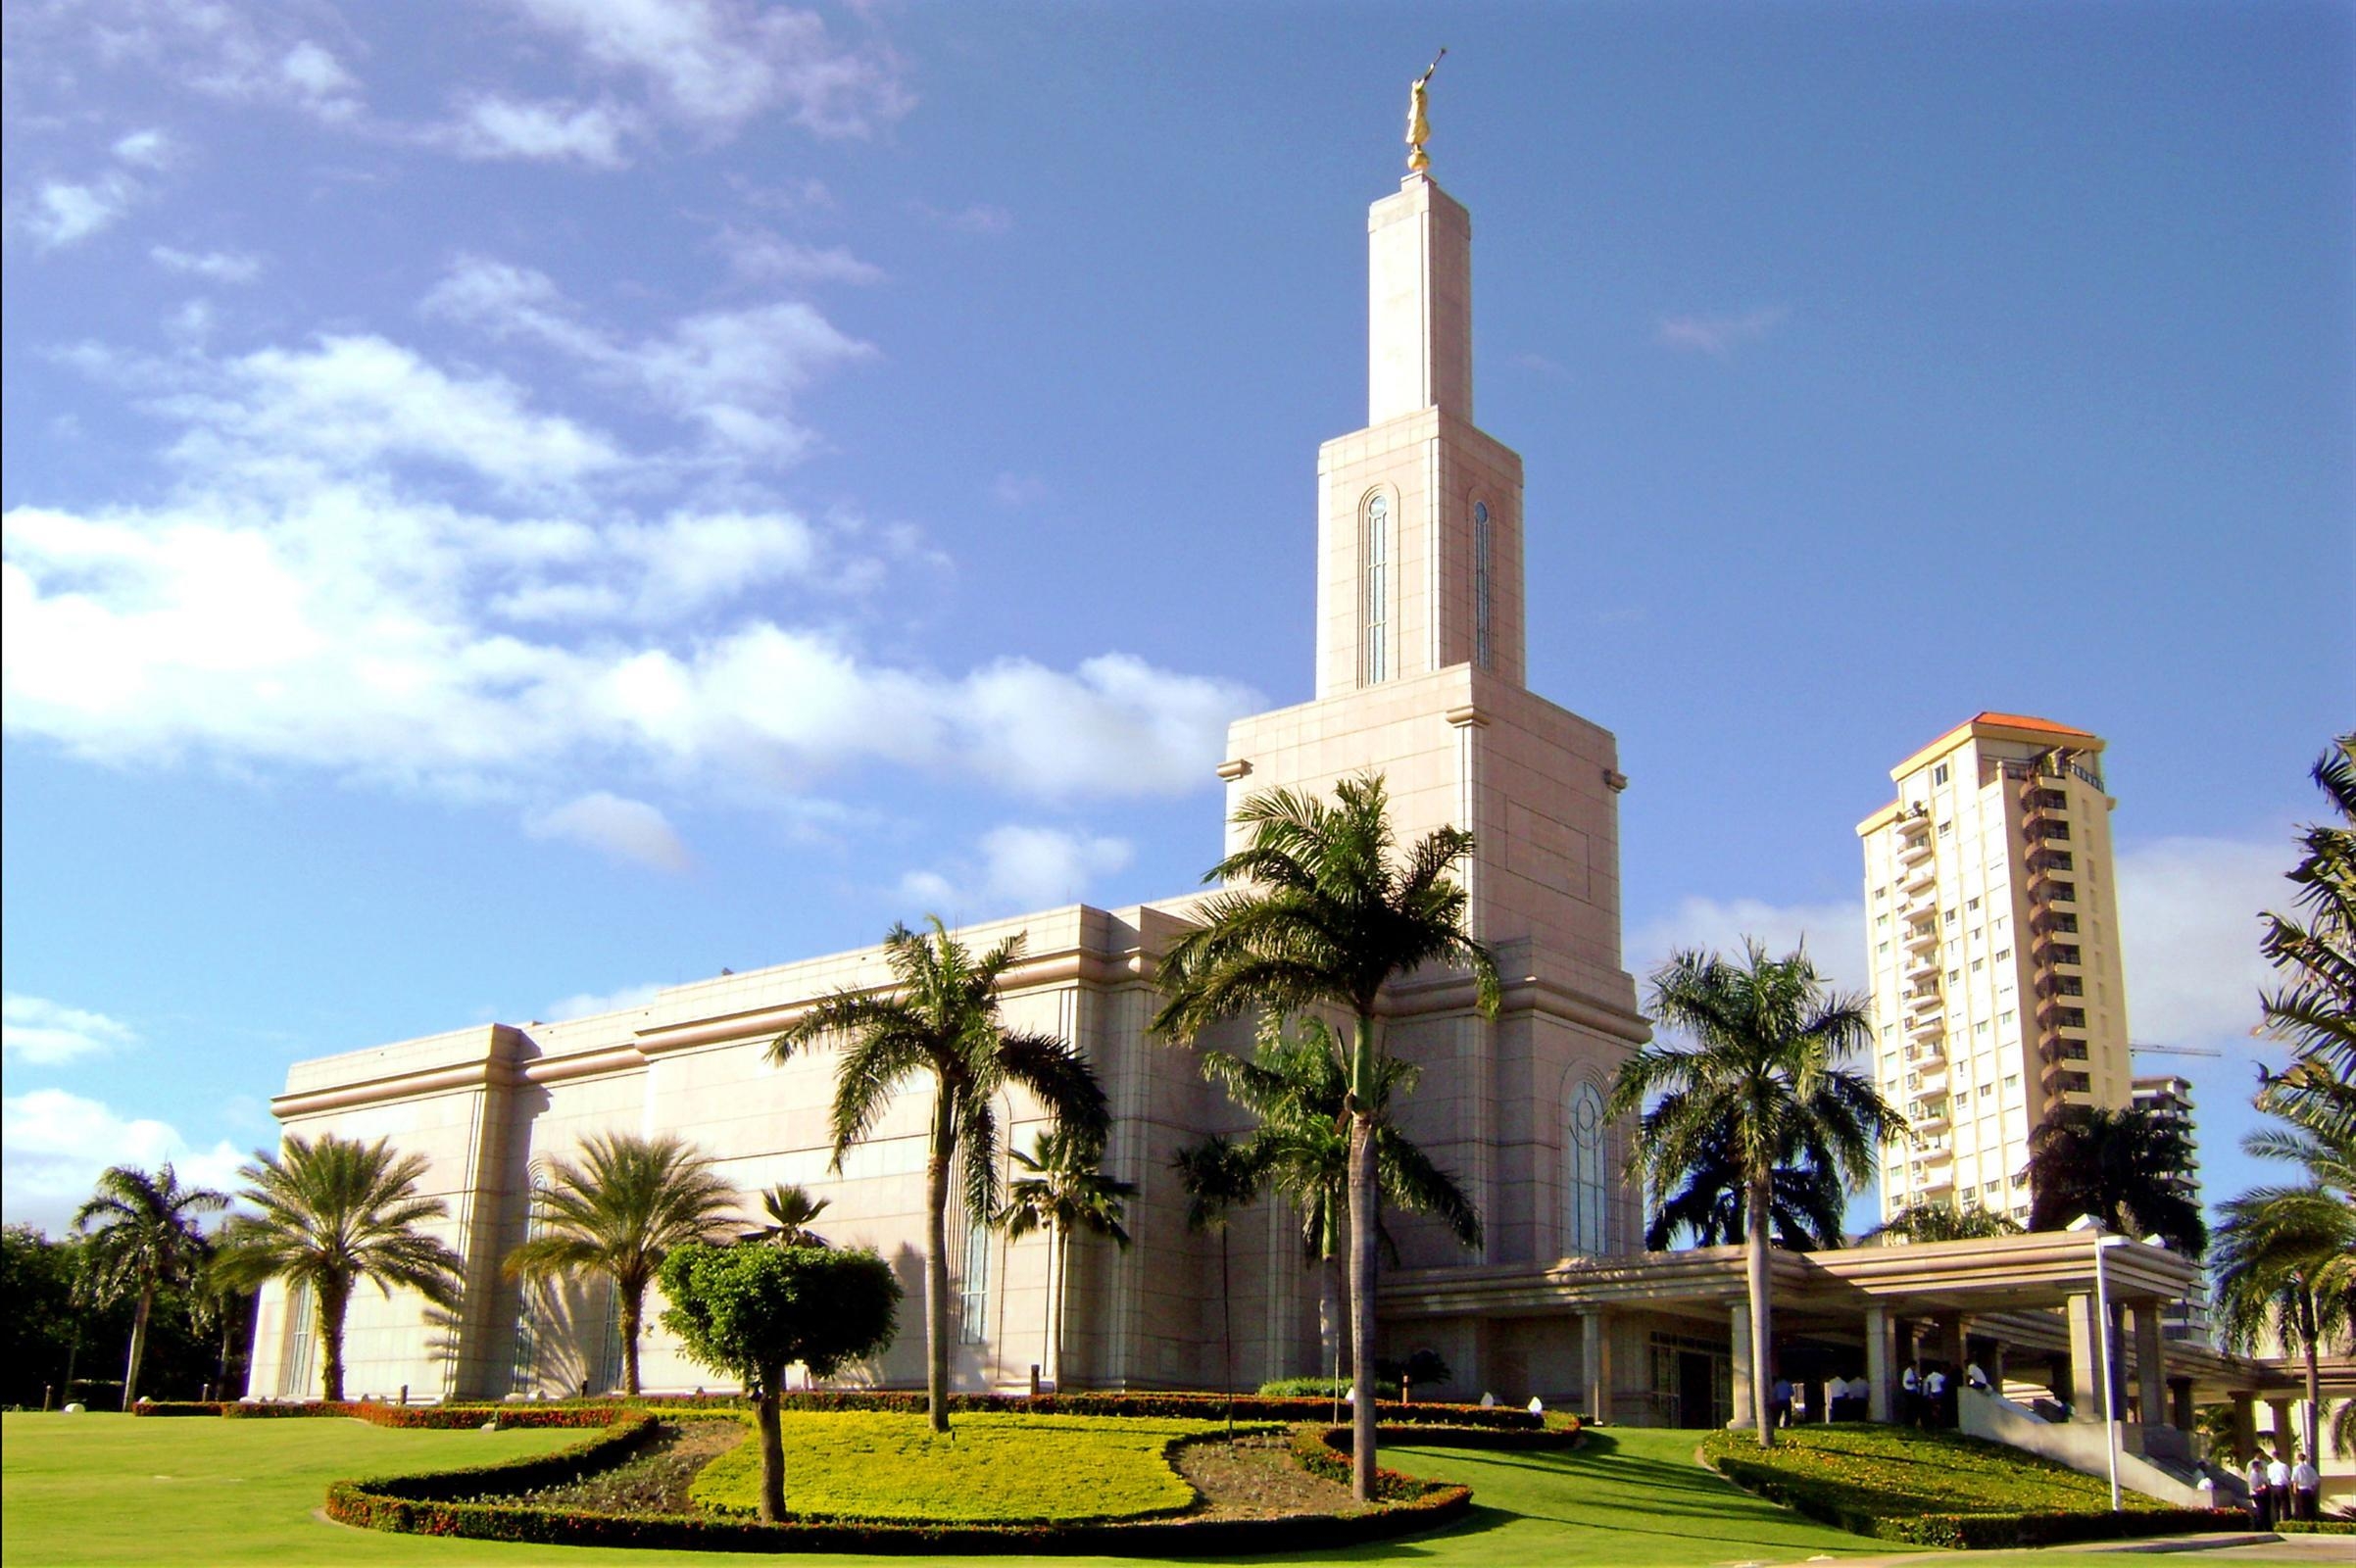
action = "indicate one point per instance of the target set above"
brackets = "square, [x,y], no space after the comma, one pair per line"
[656,1479]
[1257,1479]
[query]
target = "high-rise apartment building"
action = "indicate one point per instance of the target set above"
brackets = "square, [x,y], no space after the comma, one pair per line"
[1992,932]
[2169,1098]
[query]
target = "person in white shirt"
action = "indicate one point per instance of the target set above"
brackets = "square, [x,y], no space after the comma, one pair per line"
[1910,1396]
[2261,1493]
[2278,1484]
[2306,1486]
[1935,1397]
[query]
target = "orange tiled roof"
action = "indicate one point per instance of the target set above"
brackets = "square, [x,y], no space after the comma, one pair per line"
[2025,721]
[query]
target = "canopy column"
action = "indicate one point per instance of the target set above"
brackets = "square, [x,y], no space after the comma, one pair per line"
[1881,1360]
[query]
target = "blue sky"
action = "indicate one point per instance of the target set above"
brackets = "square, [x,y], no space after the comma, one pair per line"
[511,503]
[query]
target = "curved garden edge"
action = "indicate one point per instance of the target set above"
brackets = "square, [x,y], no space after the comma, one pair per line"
[426,1505]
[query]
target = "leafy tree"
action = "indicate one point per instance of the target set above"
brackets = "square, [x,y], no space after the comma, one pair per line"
[2123,1166]
[39,1314]
[1323,911]
[941,1020]
[2315,950]
[1944,1222]
[2285,1256]
[332,1212]
[627,1203]
[1805,1201]
[790,1208]
[1218,1177]
[1297,1088]
[1765,1073]
[1065,1193]
[143,1236]
[753,1312]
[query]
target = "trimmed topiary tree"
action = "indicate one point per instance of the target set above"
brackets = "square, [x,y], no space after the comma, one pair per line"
[755,1310]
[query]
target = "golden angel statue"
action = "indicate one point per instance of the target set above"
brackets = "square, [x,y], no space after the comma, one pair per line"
[1419,125]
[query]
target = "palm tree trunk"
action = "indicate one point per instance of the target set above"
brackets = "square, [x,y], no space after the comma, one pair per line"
[1062,1245]
[131,1370]
[1329,1314]
[1226,1333]
[332,1300]
[936,1267]
[633,1315]
[1046,1314]
[1762,1324]
[1362,1260]
[2315,1380]
[772,1444]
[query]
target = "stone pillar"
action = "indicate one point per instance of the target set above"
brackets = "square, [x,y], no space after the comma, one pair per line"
[2180,1413]
[2151,1363]
[1744,1416]
[1595,1360]
[2088,1348]
[1992,1363]
[2245,1426]
[1953,1335]
[1881,1360]
[2287,1431]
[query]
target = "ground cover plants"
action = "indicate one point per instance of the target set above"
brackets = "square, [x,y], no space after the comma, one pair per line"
[992,1468]
[1940,1489]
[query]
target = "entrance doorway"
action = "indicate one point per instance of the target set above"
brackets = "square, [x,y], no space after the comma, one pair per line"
[1696,1389]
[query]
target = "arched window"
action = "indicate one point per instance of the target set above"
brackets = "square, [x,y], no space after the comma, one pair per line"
[1377,616]
[973,1285]
[1480,648]
[302,1343]
[1590,1189]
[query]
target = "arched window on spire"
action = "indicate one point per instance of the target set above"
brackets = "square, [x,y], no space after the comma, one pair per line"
[1586,1228]
[1483,655]
[1375,655]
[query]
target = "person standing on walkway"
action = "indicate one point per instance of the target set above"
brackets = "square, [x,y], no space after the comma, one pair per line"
[1779,1404]
[1934,1395]
[1910,1396]
[2278,1483]
[2306,1488]
[2261,1495]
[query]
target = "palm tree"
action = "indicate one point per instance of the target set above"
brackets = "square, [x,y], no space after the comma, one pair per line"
[942,1019]
[618,1213]
[1765,1073]
[2316,1007]
[1065,1193]
[335,1212]
[1943,1222]
[2123,1166]
[1324,912]
[1805,1202]
[790,1208]
[143,1235]
[1218,1177]
[2285,1256]
[1297,1088]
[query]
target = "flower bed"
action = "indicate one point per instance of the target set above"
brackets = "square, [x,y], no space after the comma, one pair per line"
[459,1504]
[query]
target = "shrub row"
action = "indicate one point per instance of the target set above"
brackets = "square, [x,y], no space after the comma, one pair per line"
[431,1504]
[2316,1527]
[420,1417]
[1835,1506]
[1325,1450]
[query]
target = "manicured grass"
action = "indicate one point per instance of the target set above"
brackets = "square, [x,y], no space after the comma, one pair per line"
[989,1468]
[82,1490]
[1894,1471]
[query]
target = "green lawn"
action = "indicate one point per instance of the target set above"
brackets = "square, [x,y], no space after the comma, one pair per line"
[1892,1472]
[873,1465]
[101,1489]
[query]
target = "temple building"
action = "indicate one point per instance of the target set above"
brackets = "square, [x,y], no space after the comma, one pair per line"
[1420,675]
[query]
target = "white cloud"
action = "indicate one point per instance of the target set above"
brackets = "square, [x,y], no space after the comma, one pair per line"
[219,267]
[42,1033]
[589,1003]
[1832,933]
[1721,336]
[1018,867]
[1020,490]
[54,1145]
[620,829]
[65,212]
[356,401]
[145,149]
[546,131]
[735,372]
[717,64]
[313,78]
[2188,908]
[975,217]
[759,254]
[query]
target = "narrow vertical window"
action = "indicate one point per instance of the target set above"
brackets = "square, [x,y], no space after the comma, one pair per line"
[974,1288]
[1589,1190]
[523,1364]
[1377,615]
[302,1344]
[1481,646]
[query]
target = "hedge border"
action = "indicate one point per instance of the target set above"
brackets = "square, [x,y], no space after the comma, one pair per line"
[1970,1531]
[365,1504]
